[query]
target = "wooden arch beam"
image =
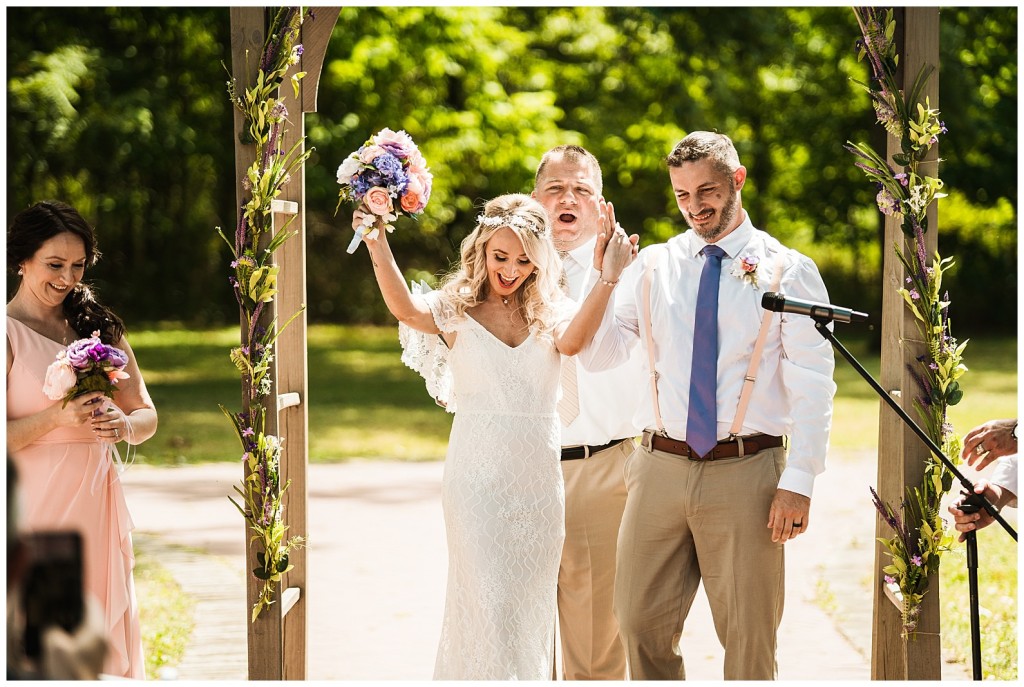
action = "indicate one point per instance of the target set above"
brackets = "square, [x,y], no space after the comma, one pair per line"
[277,645]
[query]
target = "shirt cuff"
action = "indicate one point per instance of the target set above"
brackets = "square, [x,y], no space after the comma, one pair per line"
[797,481]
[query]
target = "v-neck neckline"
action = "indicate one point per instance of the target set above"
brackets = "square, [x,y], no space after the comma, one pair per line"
[492,335]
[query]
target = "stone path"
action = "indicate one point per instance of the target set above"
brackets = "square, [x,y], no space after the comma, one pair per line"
[377,569]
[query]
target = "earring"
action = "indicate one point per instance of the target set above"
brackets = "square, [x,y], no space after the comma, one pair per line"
[21,271]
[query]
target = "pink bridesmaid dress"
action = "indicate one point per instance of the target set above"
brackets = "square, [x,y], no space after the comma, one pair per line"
[67,480]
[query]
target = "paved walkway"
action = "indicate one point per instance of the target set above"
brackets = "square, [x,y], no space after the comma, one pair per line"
[377,568]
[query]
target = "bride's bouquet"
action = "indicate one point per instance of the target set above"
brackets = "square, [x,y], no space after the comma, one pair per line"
[387,175]
[85,365]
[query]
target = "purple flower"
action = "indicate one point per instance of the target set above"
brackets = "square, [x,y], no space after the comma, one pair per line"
[889,579]
[248,432]
[915,294]
[933,366]
[916,560]
[887,203]
[902,178]
[234,264]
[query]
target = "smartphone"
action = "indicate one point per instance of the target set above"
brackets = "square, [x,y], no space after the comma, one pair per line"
[51,593]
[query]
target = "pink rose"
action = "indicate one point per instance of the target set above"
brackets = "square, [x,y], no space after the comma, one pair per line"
[378,200]
[423,179]
[60,378]
[415,184]
[370,153]
[411,202]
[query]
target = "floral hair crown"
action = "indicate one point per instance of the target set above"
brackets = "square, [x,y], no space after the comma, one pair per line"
[510,220]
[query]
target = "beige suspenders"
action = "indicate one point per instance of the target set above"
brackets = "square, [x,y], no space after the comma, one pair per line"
[755,356]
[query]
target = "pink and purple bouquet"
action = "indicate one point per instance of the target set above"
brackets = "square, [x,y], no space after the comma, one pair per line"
[85,365]
[387,175]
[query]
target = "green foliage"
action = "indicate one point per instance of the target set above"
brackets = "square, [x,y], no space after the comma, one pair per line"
[121,111]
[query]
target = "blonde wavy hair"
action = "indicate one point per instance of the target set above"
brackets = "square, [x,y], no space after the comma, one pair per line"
[468,285]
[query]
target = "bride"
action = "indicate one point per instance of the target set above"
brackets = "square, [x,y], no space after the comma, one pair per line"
[503,323]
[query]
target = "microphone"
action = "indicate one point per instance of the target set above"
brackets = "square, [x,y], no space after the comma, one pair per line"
[776,302]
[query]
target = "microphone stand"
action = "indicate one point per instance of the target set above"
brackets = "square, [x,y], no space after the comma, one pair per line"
[971,504]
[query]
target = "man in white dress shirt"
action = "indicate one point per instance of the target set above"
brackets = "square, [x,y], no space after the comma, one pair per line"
[597,410]
[697,510]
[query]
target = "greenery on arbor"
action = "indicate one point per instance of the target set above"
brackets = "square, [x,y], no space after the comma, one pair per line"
[120,111]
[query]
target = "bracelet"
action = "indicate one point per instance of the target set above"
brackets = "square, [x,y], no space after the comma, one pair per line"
[604,281]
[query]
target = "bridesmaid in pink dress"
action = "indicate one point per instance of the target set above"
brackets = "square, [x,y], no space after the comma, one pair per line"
[65,468]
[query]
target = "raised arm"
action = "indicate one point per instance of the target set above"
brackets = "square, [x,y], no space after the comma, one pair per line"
[617,252]
[409,309]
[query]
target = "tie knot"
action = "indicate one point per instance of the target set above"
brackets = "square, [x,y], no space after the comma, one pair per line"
[713,251]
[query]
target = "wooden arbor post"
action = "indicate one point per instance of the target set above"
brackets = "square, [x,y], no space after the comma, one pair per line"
[901,454]
[277,639]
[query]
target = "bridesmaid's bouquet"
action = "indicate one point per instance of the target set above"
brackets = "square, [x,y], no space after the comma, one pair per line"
[85,365]
[387,175]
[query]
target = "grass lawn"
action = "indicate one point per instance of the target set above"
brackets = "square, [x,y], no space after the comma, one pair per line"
[363,403]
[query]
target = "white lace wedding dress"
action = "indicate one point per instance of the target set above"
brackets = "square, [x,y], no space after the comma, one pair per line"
[503,497]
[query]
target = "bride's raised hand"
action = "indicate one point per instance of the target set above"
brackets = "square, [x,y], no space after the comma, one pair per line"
[363,218]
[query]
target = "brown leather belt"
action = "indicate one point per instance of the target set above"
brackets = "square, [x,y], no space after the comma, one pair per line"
[727,448]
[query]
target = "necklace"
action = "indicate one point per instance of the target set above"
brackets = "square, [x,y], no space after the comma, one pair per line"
[504,300]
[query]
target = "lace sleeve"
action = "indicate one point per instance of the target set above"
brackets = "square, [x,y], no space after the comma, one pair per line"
[428,353]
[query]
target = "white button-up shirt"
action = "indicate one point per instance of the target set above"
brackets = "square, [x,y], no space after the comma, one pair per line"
[608,399]
[794,389]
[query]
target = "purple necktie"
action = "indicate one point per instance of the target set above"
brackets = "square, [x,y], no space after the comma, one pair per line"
[702,418]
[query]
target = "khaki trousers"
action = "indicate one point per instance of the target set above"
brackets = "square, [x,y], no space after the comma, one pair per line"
[595,494]
[687,521]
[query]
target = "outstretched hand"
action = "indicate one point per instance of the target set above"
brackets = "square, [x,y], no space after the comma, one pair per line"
[989,441]
[614,250]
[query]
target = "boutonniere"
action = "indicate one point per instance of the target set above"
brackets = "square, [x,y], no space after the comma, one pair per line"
[745,268]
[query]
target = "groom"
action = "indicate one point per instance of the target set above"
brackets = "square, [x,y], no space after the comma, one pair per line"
[597,431]
[713,492]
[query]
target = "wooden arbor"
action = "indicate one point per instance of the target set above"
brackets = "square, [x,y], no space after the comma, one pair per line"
[277,639]
[901,454]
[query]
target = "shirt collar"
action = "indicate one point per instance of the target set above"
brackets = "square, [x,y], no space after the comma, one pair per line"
[583,255]
[732,244]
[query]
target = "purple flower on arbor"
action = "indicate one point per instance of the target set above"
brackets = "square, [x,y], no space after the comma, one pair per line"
[248,432]
[916,560]
[887,203]
[915,294]
[933,366]
[902,178]
[889,579]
